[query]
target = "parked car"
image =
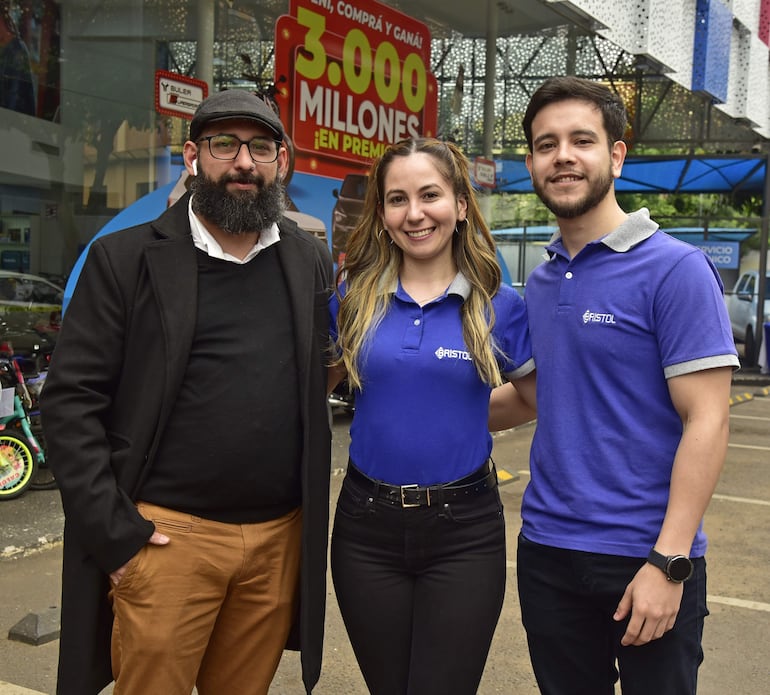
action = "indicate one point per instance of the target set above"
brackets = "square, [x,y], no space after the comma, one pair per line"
[742,308]
[26,292]
[346,213]
[30,317]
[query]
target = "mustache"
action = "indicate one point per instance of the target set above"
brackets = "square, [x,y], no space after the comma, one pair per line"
[256,179]
[565,172]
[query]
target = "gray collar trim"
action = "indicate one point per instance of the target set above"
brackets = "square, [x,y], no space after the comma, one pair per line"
[633,231]
[637,227]
[459,286]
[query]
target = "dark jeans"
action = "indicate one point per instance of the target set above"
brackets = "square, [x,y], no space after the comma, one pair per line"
[420,589]
[567,601]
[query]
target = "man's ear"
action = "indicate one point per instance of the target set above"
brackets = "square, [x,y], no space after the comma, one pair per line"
[283,163]
[190,156]
[618,157]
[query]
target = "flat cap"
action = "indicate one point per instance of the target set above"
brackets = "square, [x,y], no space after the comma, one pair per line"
[234,103]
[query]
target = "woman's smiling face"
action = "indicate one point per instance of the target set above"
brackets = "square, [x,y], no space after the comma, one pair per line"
[419,208]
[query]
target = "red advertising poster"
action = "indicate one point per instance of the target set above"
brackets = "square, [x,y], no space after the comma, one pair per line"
[352,76]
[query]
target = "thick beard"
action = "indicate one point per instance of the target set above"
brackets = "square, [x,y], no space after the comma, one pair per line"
[240,212]
[597,192]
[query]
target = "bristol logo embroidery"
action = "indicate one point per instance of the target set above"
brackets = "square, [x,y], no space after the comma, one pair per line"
[595,317]
[450,353]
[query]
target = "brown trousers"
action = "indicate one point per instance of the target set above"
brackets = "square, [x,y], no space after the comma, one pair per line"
[211,609]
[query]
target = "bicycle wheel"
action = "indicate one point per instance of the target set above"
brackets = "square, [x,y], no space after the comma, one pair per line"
[17,465]
[43,479]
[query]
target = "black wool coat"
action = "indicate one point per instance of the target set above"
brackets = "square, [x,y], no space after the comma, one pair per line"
[113,380]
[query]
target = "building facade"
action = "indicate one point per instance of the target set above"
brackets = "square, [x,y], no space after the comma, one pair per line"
[82,138]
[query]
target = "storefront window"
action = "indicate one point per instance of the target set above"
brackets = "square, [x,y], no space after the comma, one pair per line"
[82,138]
[77,108]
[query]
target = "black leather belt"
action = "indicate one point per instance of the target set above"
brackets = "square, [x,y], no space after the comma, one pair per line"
[481,480]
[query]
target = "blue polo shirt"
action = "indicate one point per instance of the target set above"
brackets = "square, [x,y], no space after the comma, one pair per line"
[608,328]
[421,416]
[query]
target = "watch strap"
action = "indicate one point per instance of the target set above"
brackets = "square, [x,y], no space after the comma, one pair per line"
[663,563]
[658,560]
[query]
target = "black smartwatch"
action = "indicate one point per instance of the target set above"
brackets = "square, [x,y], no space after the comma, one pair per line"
[677,568]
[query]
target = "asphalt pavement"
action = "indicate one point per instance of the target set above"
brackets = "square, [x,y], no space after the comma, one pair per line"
[735,641]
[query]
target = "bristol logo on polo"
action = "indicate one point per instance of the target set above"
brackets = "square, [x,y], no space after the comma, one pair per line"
[596,317]
[452,354]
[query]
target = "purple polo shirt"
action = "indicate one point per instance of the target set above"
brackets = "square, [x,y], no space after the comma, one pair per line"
[422,414]
[608,328]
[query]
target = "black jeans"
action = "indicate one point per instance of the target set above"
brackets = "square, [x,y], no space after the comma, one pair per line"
[567,600]
[420,589]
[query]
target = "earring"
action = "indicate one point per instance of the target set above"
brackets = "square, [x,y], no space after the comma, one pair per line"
[379,234]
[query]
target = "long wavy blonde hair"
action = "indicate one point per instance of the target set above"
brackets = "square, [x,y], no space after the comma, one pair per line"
[372,265]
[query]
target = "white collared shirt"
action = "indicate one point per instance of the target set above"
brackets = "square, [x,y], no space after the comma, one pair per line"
[204,241]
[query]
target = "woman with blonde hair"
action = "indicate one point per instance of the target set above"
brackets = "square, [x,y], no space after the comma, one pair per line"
[424,330]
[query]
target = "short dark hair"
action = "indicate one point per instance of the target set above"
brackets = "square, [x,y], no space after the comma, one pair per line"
[557,89]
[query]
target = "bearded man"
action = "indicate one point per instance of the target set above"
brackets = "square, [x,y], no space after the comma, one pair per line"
[634,357]
[185,415]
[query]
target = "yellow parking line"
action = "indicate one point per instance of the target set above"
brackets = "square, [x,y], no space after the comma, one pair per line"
[741,398]
[504,476]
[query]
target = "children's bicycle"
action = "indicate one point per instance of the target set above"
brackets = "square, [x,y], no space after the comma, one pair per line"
[20,452]
[43,478]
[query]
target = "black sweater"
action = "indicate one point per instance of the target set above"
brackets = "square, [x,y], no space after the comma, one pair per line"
[232,448]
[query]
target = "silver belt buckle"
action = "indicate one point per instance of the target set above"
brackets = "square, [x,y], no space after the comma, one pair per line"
[404,504]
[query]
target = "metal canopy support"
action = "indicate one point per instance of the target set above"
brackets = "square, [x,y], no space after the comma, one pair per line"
[204,58]
[761,281]
[489,78]
[488,132]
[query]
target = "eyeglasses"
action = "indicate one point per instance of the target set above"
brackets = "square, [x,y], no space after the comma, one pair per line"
[225,146]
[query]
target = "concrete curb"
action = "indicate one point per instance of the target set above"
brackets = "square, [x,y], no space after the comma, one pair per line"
[39,545]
